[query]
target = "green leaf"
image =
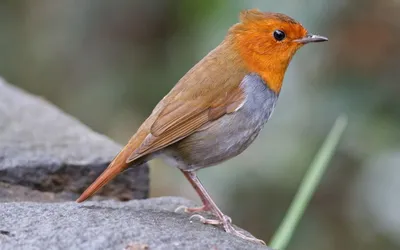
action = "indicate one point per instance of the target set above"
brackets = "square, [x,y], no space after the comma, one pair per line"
[282,236]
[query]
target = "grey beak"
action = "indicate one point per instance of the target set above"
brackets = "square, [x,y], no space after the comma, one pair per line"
[310,38]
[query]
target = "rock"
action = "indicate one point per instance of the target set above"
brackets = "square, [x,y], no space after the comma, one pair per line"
[146,224]
[44,149]
[12,192]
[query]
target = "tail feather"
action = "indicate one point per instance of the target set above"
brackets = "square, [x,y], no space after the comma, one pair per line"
[116,166]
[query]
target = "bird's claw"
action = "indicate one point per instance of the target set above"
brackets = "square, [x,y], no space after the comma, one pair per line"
[178,209]
[228,227]
[245,237]
[206,221]
[192,209]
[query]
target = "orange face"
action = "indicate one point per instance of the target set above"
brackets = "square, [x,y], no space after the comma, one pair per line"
[267,43]
[268,33]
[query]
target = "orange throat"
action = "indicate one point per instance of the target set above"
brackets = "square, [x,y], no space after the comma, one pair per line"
[271,71]
[271,65]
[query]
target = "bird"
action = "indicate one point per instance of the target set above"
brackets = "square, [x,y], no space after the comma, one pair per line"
[217,109]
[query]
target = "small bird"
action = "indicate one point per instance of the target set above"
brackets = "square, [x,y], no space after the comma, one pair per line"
[218,107]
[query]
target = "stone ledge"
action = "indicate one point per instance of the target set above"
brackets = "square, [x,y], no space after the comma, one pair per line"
[137,224]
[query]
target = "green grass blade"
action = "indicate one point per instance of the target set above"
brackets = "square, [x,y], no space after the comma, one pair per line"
[282,236]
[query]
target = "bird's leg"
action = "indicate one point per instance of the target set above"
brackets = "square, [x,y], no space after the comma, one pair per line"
[208,203]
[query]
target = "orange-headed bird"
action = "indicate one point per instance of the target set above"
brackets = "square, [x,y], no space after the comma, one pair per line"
[217,108]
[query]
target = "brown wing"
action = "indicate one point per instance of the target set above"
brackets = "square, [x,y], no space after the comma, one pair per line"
[187,113]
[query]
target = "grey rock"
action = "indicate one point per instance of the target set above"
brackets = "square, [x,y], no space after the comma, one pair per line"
[45,149]
[11,192]
[116,225]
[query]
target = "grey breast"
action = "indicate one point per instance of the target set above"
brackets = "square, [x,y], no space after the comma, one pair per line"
[228,136]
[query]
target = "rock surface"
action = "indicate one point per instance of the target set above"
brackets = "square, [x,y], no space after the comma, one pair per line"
[12,192]
[47,150]
[148,223]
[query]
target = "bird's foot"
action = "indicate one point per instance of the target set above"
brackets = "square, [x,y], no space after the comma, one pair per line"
[206,221]
[192,209]
[230,229]
[226,222]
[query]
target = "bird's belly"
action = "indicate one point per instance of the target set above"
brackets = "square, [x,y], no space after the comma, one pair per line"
[221,141]
[227,136]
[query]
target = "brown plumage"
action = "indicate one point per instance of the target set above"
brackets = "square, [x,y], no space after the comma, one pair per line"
[217,109]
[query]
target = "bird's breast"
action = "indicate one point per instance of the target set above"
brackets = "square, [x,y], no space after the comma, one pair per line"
[229,135]
[260,100]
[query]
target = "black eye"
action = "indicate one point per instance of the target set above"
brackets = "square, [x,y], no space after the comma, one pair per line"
[279,35]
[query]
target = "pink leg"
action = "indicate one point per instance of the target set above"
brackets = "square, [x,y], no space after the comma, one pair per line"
[209,205]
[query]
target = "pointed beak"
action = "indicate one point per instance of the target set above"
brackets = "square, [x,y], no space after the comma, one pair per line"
[310,38]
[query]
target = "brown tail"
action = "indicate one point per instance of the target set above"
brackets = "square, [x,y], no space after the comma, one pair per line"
[116,166]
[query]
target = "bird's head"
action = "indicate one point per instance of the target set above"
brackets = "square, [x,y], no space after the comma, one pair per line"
[267,42]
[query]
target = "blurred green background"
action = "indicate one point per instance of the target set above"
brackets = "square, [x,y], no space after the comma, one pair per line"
[108,63]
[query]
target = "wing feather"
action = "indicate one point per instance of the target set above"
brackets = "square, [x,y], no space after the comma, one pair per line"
[185,119]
